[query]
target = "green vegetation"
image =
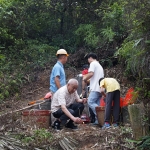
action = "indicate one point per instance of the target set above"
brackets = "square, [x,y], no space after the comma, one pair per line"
[39,138]
[144,143]
[32,31]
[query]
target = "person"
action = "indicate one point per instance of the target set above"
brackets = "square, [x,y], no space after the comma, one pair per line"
[112,94]
[95,72]
[85,69]
[64,106]
[57,77]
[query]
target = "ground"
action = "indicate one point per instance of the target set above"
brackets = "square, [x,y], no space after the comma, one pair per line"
[87,136]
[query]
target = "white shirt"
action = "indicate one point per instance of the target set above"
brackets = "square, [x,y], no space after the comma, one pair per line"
[63,97]
[98,71]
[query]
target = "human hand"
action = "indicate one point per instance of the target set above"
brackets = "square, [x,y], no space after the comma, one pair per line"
[84,100]
[78,120]
[84,79]
[104,96]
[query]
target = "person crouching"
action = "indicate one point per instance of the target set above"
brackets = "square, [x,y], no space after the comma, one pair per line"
[112,94]
[64,106]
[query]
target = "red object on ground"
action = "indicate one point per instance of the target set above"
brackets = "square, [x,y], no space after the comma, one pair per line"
[85,118]
[123,101]
[85,71]
[128,97]
[102,103]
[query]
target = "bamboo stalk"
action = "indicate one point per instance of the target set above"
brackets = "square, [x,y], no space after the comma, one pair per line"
[69,144]
[62,146]
[65,145]
[73,140]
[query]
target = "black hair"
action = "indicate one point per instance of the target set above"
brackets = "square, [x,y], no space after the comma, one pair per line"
[60,55]
[100,80]
[93,55]
[86,66]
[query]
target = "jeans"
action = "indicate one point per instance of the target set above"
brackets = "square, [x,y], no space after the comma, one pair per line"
[112,97]
[75,109]
[94,101]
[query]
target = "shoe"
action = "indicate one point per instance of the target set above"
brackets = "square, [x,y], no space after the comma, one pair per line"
[106,126]
[115,125]
[56,125]
[71,125]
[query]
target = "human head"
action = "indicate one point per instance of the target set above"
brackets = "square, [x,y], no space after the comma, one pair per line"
[91,57]
[86,66]
[72,85]
[62,55]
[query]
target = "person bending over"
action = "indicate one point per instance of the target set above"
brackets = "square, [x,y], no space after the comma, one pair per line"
[67,106]
[112,95]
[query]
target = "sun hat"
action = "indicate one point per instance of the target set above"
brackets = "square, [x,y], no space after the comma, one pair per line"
[62,51]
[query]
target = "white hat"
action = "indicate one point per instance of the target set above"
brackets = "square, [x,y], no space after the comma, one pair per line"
[62,51]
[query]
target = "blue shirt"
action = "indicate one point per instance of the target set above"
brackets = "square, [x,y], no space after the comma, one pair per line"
[58,70]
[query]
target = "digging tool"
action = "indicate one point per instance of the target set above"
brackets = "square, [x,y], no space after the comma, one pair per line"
[46,97]
[36,101]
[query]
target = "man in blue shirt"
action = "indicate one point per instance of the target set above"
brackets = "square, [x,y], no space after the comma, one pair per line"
[57,77]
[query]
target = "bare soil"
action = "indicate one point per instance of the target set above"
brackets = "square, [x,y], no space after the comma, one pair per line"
[88,137]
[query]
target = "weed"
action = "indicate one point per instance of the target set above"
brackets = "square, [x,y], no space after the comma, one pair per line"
[38,138]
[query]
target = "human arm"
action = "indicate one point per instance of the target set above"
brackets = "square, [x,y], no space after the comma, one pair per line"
[57,82]
[75,119]
[78,99]
[102,90]
[83,100]
[90,73]
[87,76]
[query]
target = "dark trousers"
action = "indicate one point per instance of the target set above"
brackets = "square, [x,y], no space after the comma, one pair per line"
[75,109]
[92,115]
[112,97]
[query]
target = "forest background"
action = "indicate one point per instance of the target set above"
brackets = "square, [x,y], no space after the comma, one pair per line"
[31,32]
